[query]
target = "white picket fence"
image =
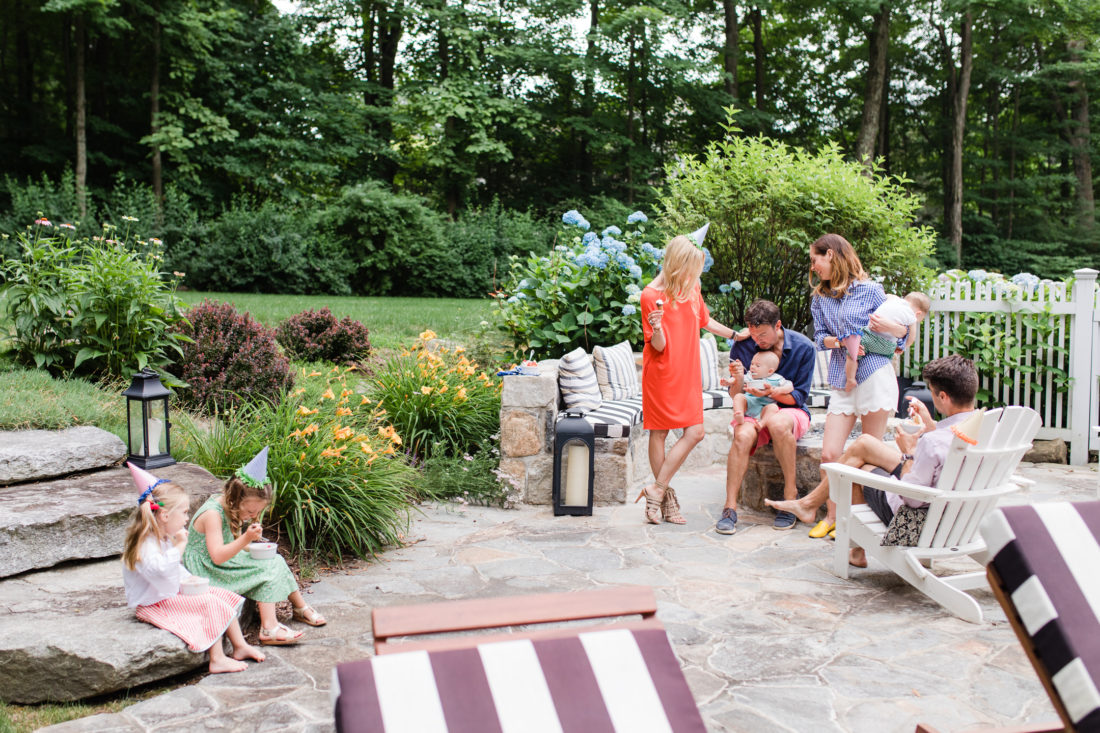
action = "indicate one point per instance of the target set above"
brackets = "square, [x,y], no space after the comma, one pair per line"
[1073,345]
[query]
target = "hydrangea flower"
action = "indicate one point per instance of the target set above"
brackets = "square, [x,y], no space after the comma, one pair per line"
[635,272]
[735,285]
[724,288]
[631,288]
[589,237]
[574,219]
[612,230]
[1026,281]
[708,260]
[637,218]
[977,275]
[629,310]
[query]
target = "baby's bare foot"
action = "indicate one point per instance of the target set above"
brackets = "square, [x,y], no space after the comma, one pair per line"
[247,651]
[225,665]
[806,516]
[738,418]
[857,558]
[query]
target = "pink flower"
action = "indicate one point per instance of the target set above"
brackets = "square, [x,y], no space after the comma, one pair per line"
[43,222]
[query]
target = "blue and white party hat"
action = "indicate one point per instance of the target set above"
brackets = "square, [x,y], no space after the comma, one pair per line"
[255,473]
[700,234]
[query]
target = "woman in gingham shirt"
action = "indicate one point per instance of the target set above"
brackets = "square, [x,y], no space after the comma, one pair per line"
[844,298]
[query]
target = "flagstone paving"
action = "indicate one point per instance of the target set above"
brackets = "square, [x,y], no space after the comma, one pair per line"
[768,638]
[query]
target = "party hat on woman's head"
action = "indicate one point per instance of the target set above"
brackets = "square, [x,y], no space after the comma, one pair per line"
[255,472]
[700,234]
[142,478]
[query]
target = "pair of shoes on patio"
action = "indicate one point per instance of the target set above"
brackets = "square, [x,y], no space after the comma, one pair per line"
[728,522]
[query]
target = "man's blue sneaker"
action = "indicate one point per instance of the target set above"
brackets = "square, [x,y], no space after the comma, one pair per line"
[785,520]
[728,523]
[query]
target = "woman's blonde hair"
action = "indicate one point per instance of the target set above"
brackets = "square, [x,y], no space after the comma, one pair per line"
[143,521]
[681,267]
[846,267]
[233,493]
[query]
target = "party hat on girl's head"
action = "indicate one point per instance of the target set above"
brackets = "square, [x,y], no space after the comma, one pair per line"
[700,234]
[255,473]
[142,478]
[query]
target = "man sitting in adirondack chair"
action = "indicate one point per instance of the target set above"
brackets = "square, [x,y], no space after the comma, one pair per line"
[918,457]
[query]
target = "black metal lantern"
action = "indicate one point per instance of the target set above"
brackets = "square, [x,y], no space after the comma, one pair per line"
[574,465]
[147,425]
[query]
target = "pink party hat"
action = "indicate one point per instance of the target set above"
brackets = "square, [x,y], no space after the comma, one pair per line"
[142,478]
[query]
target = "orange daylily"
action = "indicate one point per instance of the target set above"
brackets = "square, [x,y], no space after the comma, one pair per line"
[328,395]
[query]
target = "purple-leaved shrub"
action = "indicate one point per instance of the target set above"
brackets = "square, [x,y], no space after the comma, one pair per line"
[318,336]
[232,358]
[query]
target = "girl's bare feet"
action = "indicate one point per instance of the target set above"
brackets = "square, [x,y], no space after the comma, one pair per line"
[225,664]
[247,651]
[795,507]
[857,558]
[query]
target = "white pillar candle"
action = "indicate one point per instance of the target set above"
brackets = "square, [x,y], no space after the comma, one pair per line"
[156,427]
[576,475]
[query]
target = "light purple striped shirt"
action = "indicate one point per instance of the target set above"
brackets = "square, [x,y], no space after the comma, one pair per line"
[840,317]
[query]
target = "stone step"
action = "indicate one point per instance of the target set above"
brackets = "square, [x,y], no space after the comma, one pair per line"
[66,634]
[80,517]
[35,455]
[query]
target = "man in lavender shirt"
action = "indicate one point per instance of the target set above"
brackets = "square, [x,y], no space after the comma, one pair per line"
[917,458]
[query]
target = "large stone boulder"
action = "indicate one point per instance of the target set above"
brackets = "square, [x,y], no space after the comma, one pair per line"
[79,518]
[33,455]
[66,634]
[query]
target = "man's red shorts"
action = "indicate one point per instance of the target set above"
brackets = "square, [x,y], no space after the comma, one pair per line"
[798,416]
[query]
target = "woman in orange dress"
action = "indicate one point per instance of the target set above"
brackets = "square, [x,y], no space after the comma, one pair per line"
[673,311]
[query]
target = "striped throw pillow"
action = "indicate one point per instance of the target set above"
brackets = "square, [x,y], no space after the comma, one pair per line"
[708,362]
[577,381]
[615,371]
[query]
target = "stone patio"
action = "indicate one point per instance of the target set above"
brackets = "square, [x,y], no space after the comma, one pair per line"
[768,638]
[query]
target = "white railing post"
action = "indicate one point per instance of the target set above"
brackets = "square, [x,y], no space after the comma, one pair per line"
[1080,365]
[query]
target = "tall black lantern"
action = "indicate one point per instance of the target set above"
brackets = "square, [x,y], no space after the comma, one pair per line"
[147,425]
[574,465]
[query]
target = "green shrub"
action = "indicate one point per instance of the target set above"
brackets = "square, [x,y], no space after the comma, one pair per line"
[766,203]
[266,248]
[396,242]
[486,238]
[438,400]
[229,359]
[584,293]
[318,336]
[466,479]
[90,305]
[338,488]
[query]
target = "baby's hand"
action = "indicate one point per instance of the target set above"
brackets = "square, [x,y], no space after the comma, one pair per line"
[737,369]
[741,335]
[254,532]
[180,538]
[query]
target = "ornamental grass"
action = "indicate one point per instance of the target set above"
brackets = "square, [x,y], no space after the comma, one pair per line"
[341,478]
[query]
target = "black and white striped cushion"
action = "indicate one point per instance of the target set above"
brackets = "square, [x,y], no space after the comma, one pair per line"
[615,371]
[708,363]
[1047,557]
[577,381]
[715,398]
[614,419]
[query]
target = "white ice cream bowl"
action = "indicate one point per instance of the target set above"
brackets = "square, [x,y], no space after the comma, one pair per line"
[911,427]
[194,585]
[756,384]
[262,550]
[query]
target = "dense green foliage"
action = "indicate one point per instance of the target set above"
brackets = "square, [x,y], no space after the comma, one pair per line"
[344,143]
[762,225]
[93,306]
[30,399]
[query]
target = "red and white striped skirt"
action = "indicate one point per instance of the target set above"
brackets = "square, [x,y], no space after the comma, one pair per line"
[198,620]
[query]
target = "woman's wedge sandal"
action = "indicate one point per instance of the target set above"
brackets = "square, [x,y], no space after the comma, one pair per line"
[653,501]
[308,615]
[279,636]
[670,508]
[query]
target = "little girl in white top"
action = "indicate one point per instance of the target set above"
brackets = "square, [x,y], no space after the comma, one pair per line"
[152,574]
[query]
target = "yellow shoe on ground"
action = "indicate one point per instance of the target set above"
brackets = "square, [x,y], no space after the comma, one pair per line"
[822,528]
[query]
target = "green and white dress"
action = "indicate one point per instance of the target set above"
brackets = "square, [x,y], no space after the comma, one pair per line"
[266,581]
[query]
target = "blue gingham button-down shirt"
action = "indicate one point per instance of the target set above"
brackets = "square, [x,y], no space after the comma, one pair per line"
[840,317]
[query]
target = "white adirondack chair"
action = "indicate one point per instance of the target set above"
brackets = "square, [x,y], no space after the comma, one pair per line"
[973,478]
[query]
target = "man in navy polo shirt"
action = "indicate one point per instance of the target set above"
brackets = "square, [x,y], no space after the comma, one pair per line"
[783,428]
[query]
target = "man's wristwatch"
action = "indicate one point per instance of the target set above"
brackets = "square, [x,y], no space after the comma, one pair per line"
[906,457]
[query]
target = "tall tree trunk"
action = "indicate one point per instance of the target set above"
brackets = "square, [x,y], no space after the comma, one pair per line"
[878,44]
[1079,139]
[958,90]
[154,113]
[630,102]
[80,124]
[1012,159]
[758,55]
[389,33]
[588,108]
[731,49]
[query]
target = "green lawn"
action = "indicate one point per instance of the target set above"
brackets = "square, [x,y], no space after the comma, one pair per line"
[393,322]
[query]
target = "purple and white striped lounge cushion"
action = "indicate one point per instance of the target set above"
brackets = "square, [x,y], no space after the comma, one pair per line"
[1048,556]
[608,680]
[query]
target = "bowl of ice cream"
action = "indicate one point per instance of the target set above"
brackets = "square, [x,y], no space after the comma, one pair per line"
[756,384]
[193,585]
[911,426]
[262,550]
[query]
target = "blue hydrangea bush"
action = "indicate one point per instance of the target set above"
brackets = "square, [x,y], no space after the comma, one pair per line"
[583,293]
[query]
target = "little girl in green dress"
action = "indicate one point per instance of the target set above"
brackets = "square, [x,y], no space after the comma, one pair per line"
[222,528]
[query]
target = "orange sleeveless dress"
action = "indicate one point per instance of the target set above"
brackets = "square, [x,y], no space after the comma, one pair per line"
[672,386]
